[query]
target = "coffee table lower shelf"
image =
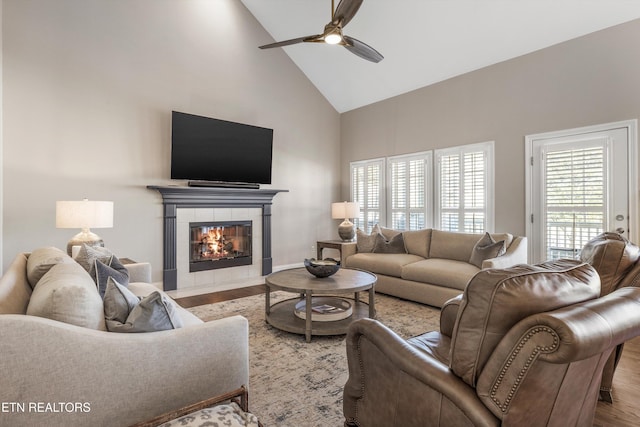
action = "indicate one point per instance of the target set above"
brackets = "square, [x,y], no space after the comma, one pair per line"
[281,315]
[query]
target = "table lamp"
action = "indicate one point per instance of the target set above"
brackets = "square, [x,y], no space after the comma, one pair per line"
[84,214]
[345,210]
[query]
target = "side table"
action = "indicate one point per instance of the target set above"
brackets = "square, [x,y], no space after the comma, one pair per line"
[330,244]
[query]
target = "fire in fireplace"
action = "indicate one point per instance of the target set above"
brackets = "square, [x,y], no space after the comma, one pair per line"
[219,245]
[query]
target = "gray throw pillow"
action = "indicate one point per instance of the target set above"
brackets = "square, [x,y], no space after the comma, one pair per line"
[393,246]
[114,269]
[87,256]
[486,248]
[365,242]
[125,312]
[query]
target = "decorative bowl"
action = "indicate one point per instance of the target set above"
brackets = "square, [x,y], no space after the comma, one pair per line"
[321,267]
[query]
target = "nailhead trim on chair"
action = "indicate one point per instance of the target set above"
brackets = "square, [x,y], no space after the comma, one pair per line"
[523,372]
[352,421]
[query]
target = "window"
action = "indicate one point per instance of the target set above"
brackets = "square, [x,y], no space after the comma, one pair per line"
[367,188]
[405,200]
[409,191]
[464,188]
[575,197]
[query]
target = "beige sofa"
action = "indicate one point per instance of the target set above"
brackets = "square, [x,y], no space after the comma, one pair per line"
[61,374]
[435,265]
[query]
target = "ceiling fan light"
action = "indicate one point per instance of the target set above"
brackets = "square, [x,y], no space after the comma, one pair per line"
[333,38]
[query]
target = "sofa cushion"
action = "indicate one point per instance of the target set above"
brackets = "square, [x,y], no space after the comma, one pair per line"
[612,256]
[496,299]
[433,344]
[68,294]
[42,259]
[442,272]
[125,312]
[452,245]
[417,242]
[387,264]
[486,248]
[393,246]
[15,289]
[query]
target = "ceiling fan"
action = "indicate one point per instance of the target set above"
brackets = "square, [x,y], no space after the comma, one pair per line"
[332,34]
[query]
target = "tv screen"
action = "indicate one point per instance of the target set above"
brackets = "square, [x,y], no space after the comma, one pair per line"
[208,149]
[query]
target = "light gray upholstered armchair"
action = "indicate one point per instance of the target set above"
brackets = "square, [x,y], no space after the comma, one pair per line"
[522,346]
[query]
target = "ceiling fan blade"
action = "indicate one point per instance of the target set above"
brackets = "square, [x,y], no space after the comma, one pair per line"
[346,10]
[291,41]
[362,49]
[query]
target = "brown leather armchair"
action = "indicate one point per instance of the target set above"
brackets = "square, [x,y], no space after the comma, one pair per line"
[616,260]
[522,346]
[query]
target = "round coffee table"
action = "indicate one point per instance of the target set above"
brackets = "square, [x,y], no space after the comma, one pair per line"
[298,280]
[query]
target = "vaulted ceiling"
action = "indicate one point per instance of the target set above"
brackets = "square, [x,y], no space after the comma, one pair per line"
[426,41]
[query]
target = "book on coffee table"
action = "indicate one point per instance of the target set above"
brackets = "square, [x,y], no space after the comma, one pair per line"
[325,309]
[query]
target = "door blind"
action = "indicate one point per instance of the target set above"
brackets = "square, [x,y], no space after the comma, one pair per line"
[575,194]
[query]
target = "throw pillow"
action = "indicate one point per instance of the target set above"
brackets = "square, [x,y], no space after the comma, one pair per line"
[388,233]
[365,242]
[67,294]
[125,312]
[226,414]
[114,269]
[41,260]
[89,254]
[393,246]
[486,248]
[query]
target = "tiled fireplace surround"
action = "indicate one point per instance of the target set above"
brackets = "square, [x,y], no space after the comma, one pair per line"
[183,205]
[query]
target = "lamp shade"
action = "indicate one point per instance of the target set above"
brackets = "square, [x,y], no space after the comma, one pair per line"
[84,214]
[343,210]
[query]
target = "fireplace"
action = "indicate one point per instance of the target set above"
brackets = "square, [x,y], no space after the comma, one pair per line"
[177,198]
[221,244]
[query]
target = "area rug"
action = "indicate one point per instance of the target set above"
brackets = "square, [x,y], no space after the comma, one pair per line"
[295,383]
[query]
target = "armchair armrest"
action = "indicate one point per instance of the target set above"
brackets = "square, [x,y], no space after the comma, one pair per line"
[391,383]
[578,337]
[448,315]
[116,378]
[516,254]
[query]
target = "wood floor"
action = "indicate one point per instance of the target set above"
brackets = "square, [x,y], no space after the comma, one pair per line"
[624,412]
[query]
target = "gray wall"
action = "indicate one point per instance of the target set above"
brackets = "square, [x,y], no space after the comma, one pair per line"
[89,86]
[586,81]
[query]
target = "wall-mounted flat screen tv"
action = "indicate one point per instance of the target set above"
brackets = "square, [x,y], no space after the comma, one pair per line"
[208,149]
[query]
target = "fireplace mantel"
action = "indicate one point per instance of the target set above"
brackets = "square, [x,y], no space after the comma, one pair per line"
[176,197]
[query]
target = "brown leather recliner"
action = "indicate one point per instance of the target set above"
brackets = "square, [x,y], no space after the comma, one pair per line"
[527,347]
[616,260]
